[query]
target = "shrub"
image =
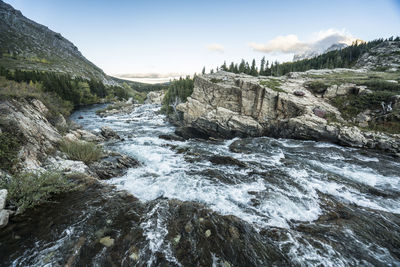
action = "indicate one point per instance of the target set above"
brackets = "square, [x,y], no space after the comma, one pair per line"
[214,80]
[317,86]
[9,147]
[382,85]
[27,190]
[81,150]
[272,84]
[352,105]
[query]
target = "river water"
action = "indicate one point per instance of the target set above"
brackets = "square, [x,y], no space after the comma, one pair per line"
[312,203]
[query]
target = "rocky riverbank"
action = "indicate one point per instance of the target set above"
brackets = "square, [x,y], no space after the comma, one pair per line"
[298,106]
[37,148]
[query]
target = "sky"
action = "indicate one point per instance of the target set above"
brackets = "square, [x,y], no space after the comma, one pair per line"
[170,38]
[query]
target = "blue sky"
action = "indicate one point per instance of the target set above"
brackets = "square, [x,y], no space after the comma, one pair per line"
[183,36]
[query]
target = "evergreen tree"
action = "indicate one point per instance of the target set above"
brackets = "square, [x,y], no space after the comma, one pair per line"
[262,66]
[203,71]
[253,69]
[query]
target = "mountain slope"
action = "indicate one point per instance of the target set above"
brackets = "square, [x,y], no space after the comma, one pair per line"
[27,45]
[316,52]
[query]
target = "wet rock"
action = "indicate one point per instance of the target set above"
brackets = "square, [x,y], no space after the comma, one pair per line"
[190,132]
[75,252]
[207,233]
[188,227]
[226,160]
[134,256]
[217,236]
[234,232]
[240,146]
[177,239]
[171,137]
[80,117]
[113,166]
[107,241]
[109,133]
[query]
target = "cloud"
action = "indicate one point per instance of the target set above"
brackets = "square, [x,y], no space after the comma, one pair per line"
[216,48]
[284,44]
[291,44]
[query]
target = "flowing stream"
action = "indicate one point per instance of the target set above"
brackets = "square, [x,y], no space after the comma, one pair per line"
[313,203]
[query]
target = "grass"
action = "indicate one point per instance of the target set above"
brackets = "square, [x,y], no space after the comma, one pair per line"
[273,84]
[26,190]
[214,80]
[9,148]
[81,150]
[19,91]
[352,105]
[317,86]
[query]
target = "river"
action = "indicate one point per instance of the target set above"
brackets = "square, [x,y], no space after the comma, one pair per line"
[267,201]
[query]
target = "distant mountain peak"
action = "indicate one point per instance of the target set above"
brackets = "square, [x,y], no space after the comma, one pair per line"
[314,52]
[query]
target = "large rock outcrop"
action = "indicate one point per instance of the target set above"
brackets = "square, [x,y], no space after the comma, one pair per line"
[27,119]
[228,105]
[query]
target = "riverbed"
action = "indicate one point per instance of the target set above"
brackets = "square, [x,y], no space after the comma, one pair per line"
[239,202]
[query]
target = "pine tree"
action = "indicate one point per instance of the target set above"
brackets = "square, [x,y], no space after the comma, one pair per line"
[253,69]
[203,71]
[262,66]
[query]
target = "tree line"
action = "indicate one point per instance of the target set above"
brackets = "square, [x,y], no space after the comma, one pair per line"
[343,58]
[178,91]
[79,91]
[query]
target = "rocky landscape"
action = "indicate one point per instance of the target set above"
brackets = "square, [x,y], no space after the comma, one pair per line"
[294,170]
[228,105]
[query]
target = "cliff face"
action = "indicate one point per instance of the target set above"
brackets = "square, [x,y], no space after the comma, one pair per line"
[228,105]
[25,44]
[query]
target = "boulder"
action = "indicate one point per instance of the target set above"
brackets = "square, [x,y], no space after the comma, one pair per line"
[113,166]
[226,160]
[4,216]
[66,165]
[171,137]
[299,93]
[239,106]
[27,120]
[3,198]
[319,112]
[109,133]
[155,97]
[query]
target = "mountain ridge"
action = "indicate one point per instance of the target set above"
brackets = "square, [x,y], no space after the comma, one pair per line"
[28,45]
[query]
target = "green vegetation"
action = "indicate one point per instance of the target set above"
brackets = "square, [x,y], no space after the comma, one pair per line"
[273,84]
[81,150]
[76,90]
[317,86]
[351,105]
[392,127]
[178,92]
[34,90]
[343,58]
[9,148]
[331,117]
[214,80]
[377,84]
[26,190]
